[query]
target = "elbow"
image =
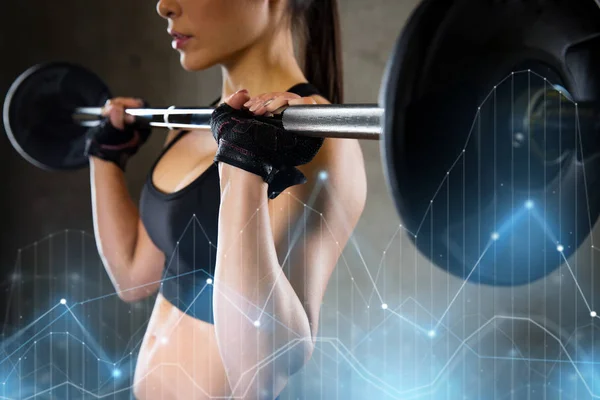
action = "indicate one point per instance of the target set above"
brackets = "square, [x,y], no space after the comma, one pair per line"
[129,296]
[301,347]
[285,367]
[302,353]
[133,295]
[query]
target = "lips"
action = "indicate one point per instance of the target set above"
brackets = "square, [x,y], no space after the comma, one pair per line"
[179,39]
[178,36]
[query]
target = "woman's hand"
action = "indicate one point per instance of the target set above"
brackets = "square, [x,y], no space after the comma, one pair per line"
[272,103]
[258,144]
[114,110]
[119,136]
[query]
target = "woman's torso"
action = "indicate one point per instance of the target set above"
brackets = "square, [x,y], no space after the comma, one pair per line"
[179,356]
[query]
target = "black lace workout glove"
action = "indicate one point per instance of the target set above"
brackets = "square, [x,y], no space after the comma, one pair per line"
[111,144]
[261,146]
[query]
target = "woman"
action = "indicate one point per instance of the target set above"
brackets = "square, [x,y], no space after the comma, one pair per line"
[241,271]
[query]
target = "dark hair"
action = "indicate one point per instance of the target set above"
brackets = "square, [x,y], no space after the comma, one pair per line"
[317,24]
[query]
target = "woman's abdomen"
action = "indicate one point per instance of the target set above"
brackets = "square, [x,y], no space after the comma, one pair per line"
[179,358]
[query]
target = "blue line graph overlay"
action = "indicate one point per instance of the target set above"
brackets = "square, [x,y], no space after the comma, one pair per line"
[427,336]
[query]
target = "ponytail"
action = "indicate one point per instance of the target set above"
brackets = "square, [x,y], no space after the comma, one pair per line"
[319,28]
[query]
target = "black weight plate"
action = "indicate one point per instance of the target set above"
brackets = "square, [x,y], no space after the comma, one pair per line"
[485,196]
[38,114]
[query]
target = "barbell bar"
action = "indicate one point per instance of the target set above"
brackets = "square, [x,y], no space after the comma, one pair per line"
[487,124]
[348,121]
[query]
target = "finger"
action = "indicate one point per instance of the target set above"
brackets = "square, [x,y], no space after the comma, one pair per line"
[269,106]
[105,112]
[273,103]
[123,102]
[238,99]
[302,101]
[117,117]
[292,102]
[257,101]
[277,103]
[259,98]
[128,118]
[126,102]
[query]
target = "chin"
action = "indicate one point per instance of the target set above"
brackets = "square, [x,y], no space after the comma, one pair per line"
[195,62]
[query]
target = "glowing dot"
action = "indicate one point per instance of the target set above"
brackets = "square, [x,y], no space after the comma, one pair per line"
[323,175]
[209,281]
[593,314]
[529,204]
[384,306]
[63,301]
[116,373]
[431,333]
[495,236]
[257,323]
[164,340]
[560,248]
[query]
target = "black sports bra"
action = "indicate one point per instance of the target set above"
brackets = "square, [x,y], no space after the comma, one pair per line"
[183,225]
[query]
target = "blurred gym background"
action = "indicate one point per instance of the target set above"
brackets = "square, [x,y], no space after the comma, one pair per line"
[437,339]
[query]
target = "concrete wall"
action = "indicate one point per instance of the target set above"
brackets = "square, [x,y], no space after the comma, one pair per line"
[47,250]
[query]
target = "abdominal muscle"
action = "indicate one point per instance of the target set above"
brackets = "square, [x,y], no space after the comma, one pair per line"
[179,357]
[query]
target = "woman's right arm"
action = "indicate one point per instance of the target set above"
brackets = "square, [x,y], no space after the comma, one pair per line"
[132,261]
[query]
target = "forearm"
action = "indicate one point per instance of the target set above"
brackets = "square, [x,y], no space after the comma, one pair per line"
[115,219]
[250,286]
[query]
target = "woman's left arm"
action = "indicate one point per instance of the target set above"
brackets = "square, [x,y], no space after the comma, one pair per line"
[265,320]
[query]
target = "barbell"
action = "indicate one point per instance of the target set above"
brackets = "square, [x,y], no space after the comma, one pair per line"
[488,120]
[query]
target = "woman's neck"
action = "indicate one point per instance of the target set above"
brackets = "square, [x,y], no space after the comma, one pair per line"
[268,65]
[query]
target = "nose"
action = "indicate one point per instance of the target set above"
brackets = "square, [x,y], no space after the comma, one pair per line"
[168,8]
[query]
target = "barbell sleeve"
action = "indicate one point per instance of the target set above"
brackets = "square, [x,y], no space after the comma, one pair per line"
[353,121]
